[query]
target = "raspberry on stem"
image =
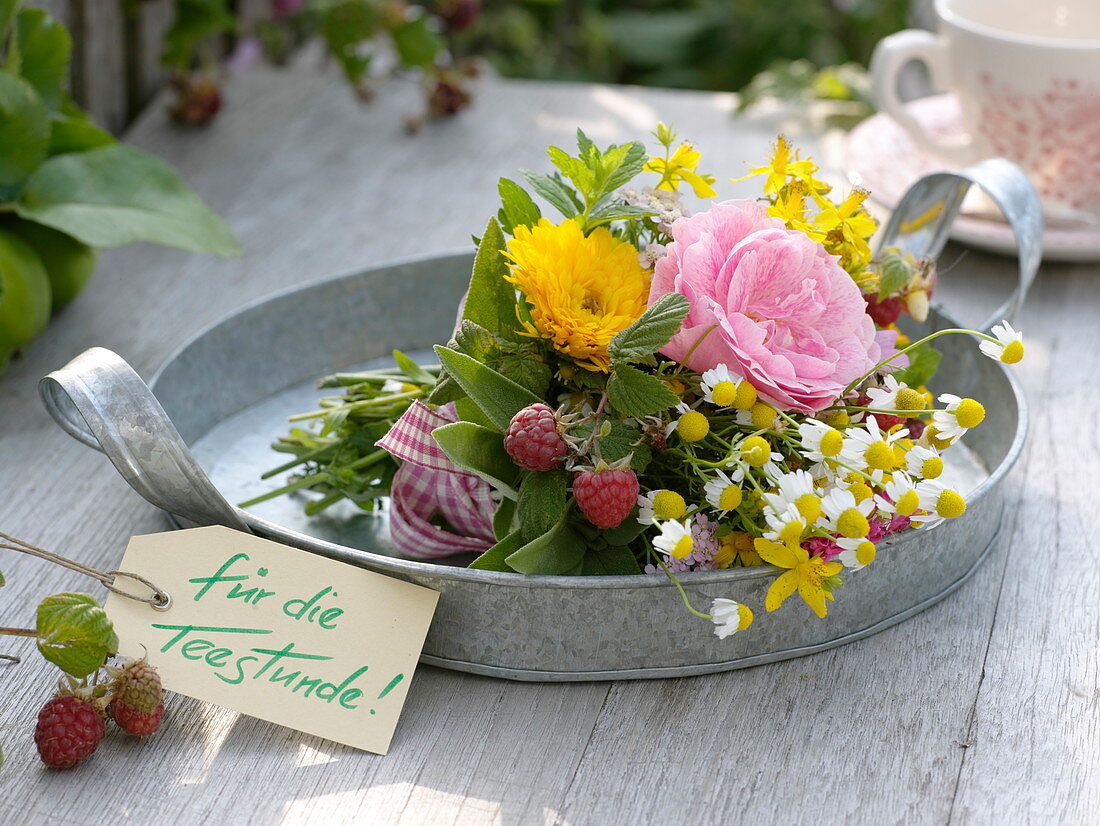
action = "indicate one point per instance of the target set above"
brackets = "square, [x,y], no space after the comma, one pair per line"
[606,496]
[68,731]
[533,441]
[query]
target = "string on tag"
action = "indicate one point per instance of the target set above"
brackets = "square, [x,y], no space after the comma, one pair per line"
[159,600]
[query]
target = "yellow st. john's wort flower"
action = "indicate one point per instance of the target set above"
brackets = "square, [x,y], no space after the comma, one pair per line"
[582,289]
[811,576]
[784,166]
[680,166]
[846,227]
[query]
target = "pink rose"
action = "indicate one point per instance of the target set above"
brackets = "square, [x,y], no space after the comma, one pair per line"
[779,309]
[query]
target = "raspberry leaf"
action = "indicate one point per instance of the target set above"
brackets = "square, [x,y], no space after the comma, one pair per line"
[481,451]
[542,502]
[637,394]
[894,273]
[75,633]
[499,398]
[652,331]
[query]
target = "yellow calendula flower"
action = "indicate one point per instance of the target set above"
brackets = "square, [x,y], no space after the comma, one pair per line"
[680,166]
[582,289]
[784,166]
[809,575]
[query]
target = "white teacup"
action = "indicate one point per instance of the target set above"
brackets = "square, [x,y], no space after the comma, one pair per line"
[1027,76]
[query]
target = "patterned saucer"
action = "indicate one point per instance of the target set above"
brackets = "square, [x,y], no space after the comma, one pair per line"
[881,156]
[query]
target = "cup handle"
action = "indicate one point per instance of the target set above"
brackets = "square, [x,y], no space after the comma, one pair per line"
[891,55]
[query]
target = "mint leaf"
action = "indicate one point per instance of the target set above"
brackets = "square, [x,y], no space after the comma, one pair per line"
[615,210]
[499,398]
[481,451]
[558,551]
[652,330]
[542,502]
[74,633]
[517,208]
[636,394]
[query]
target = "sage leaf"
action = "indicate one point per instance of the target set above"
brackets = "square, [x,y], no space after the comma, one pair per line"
[499,398]
[558,551]
[542,502]
[481,451]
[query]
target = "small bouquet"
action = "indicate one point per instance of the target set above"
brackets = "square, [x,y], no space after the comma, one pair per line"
[636,389]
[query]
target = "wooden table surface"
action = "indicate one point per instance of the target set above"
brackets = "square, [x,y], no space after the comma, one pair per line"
[982,709]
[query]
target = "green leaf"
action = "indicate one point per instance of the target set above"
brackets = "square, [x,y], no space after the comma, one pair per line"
[45,47]
[416,373]
[558,551]
[923,363]
[517,208]
[621,441]
[468,411]
[652,330]
[74,633]
[117,195]
[499,398]
[616,210]
[629,167]
[526,371]
[612,560]
[572,168]
[542,502]
[24,129]
[637,394]
[554,191]
[493,559]
[481,451]
[8,8]
[69,134]
[195,21]
[894,273]
[491,301]
[503,518]
[345,27]
[416,44]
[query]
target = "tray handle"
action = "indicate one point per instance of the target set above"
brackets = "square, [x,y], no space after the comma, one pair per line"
[922,219]
[98,399]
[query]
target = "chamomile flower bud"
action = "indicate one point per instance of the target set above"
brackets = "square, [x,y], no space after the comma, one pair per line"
[729,617]
[746,396]
[675,539]
[756,451]
[719,386]
[394,386]
[846,516]
[939,502]
[917,304]
[1009,346]
[659,505]
[923,463]
[857,553]
[723,493]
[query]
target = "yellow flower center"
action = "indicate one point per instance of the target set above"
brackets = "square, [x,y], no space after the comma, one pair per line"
[865,553]
[907,503]
[931,468]
[730,498]
[792,532]
[879,455]
[668,504]
[860,490]
[763,415]
[683,546]
[1013,352]
[852,524]
[831,443]
[746,396]
[950,505]
[838,419]
[969,413]
[910,399]
[935,439]
[744,615]
[724,393]
[756,451]
[813,572]
[809,506]
[693,426]
[899,454]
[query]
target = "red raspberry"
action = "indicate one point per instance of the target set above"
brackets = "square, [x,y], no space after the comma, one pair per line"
[532,439]
[132,721]
[606,497]
[68,731]
[885,312]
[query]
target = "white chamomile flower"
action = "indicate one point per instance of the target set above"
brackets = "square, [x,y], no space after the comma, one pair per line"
[857,553]
[899,495]
[959,416]
[886,396]
[1009,347]
[923,462]
[719,386]
[675,539]
[845,516]
[787,526]
[729,617]
[868,448]
[723,493]
[820,441]
[797,489]
[939,502]
[394,386]
[660,505]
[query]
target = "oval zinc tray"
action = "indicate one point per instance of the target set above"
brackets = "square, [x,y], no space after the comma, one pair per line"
[226,394]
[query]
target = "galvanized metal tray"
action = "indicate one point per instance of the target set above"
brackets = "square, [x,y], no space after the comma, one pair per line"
[202,441]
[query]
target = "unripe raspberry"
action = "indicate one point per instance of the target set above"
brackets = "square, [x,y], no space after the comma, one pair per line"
[533,441]
[606,497]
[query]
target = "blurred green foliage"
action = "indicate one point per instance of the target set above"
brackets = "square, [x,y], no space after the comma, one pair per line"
[698,44]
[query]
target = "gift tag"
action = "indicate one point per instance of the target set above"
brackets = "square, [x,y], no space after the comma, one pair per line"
[276,633]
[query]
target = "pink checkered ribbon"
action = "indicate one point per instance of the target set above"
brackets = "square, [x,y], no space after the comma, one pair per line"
[427,483]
